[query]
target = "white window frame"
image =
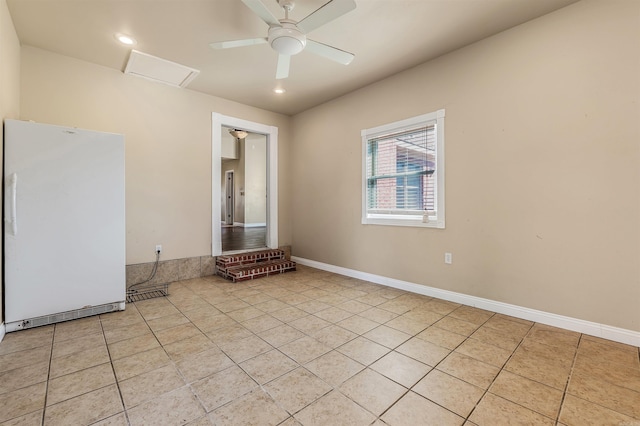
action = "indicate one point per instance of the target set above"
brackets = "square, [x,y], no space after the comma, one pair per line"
[431,220]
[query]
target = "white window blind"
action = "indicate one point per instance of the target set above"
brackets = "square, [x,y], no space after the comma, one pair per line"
[401,172]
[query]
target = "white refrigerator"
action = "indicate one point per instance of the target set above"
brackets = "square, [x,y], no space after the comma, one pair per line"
[64,224]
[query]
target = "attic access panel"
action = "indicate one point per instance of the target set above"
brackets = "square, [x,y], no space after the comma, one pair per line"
[160,70]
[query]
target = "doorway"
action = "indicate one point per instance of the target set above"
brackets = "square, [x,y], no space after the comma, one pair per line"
[254,215]
[244,186]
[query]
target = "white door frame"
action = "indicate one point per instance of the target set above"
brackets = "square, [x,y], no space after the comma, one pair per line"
[271,132]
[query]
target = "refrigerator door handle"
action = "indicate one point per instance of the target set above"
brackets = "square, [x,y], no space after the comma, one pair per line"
[13,195]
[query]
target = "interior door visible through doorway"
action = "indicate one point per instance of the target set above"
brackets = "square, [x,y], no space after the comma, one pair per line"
[229,198]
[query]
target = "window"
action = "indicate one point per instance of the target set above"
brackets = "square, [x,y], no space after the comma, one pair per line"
[403,172]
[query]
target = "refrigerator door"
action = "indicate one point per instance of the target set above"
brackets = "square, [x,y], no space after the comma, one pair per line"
[64,231]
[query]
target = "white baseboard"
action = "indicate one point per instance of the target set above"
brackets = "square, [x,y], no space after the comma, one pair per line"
[246,225]
[254,225]
[3,331]
[604,331]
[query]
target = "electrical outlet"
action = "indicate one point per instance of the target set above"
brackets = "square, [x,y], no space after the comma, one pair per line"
[158,248]
[448,258]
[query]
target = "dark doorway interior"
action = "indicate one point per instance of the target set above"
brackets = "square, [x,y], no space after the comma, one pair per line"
[241,238]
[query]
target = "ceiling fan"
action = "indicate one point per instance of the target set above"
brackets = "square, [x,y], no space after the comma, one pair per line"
[288,37]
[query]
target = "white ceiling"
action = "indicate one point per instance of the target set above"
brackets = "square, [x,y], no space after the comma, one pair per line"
[387,36]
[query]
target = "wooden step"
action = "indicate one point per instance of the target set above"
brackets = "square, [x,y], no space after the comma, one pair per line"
[257,270]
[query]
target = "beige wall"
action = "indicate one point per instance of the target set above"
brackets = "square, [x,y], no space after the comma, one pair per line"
[542,169]
[9,84]
[168,146]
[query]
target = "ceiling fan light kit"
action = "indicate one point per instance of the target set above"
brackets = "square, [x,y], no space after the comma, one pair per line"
[288,37]
[238,134]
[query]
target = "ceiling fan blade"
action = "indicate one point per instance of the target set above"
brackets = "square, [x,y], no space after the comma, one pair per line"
[283,67]
[262,11]
[237,43]
[329,52]
[327,13]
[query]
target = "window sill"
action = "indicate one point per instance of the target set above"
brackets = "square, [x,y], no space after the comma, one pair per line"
[416,223]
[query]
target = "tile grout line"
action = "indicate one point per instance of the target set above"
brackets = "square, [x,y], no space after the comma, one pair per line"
[291,415]
[377,417]
[501,369]
[410,388]
[234,362]
[260,386]
[412,335]
[124,408]
[599,404]
[173,362]
[46,390]
[566,385]
[452,351]
[536,381]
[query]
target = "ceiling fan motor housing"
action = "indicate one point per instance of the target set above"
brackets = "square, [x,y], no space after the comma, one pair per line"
[287,39]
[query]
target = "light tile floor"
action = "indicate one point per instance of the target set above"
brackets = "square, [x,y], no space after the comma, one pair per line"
[312,348]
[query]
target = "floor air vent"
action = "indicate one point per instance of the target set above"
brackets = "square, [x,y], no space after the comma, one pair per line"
[136,293]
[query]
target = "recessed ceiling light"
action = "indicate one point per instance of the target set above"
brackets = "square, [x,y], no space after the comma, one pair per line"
[125,39]
[279,91]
